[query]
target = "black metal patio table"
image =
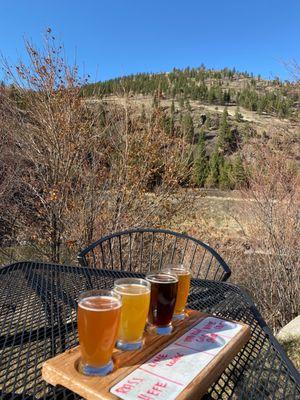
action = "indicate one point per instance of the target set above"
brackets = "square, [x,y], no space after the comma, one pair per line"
[38,321]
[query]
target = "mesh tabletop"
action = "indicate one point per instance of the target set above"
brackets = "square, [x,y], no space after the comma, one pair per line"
[38,321]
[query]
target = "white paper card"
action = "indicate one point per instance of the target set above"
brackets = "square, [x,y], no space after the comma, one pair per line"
[167,373]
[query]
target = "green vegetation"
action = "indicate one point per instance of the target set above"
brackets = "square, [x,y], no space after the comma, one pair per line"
[187,127]
[274,102]
[226,175]
[206,85]
[214,169]
[214,162]
[225,137]
[239,172]
[200,166]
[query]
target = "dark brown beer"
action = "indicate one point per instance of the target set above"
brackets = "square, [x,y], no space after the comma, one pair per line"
[163,298]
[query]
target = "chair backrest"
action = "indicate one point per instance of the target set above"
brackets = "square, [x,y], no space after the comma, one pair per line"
[143,250]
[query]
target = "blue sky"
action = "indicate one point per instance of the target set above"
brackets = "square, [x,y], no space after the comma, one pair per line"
[113,38]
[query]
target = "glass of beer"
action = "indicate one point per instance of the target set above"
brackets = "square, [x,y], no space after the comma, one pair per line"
[184,280]
[162,301]
[99,313]
[135,295]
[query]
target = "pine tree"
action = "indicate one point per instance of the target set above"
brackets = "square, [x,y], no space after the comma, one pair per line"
[225,139]
[226,97]
[225,175]
[187,127]
[212,179]
[239,173]
[200,167]
[211,95]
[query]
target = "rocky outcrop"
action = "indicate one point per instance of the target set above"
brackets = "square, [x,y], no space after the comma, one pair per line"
[289,337]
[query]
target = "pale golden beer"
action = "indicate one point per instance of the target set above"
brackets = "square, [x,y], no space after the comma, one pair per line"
[184,280]
[135,295]
[99,314]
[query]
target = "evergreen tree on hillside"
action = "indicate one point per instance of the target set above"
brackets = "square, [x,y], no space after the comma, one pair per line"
[211,97]
[187,127]
[225,136]
[212,179]
[239,172]
[219,94]
[200,167]
[204,84]
[225,175]
[226,97]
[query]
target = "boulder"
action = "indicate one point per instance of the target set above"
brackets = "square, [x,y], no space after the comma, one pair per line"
[290,331]
[289,337]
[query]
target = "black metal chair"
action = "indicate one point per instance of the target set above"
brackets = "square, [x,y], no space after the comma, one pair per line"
[143,250]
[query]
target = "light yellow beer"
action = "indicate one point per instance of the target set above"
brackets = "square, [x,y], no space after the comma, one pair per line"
[135,294]
[184,280]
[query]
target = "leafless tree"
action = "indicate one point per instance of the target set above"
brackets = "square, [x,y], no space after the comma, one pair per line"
[273,231]
[83,170]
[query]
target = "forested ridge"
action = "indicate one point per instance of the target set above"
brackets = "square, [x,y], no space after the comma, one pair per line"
[216,139]
[223,87]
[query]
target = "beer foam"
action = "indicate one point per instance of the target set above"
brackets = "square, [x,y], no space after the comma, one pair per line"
[99,303]
[132,289]
[162,278]
[180,271]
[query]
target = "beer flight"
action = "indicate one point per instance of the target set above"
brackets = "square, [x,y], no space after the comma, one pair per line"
[118,317]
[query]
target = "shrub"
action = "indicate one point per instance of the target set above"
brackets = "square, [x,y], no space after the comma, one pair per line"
[86,169]
[272,208]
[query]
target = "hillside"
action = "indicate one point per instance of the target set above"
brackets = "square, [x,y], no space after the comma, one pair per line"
[224,87]
[222,115]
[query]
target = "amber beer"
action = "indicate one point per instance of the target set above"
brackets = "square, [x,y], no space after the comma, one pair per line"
[98,322]
[184,280]
[162,301]
[135,295]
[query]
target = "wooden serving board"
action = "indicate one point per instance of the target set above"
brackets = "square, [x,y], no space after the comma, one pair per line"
[167,367]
